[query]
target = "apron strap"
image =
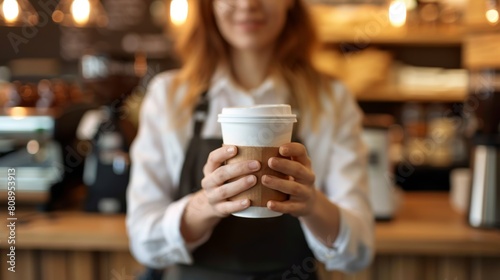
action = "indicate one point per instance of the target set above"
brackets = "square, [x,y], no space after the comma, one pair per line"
[200,114]
[189,172]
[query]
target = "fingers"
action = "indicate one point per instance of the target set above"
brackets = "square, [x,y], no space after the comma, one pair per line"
[226,191]
[302,197]
[293,188]
[226,208]
[286,207]
[217,157]
[297,152]
[217,174]
[297,170]
[224,173]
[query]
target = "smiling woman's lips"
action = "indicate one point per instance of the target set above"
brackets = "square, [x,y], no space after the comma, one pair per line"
[250,25]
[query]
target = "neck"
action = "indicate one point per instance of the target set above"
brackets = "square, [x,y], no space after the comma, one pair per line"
[250,68]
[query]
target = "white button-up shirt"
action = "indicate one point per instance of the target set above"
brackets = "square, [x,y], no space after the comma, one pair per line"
[338,160]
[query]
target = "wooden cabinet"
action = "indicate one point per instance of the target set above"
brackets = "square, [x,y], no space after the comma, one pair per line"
[426,240]
[33,264]
[73,245]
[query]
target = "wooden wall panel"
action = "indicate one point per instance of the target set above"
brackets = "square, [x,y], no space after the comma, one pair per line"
[104,265]
[430,266]
[54,265]
[124,264]
[395,267]
[27,267]
[118,265]
[453,268]
[81,266]
[485,268]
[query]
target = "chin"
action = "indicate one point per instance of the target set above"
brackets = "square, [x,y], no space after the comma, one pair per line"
[251,45]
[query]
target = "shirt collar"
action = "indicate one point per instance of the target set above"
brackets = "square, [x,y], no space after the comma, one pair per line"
[222,81]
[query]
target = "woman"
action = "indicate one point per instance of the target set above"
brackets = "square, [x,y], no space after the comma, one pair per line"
[242,53]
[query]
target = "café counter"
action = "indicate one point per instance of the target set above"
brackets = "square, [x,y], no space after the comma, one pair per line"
[426,240]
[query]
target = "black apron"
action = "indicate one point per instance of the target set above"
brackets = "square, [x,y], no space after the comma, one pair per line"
[240,248]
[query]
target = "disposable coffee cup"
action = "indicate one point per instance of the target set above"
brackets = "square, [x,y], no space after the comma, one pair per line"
[258,132]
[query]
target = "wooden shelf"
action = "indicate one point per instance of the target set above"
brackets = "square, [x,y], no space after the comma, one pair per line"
[411,36]
[374,28]
[395,94]
[29,111]
[27,197]
[481,51]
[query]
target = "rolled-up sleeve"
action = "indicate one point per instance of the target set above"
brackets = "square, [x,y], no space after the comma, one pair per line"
[346,185]
[153,218]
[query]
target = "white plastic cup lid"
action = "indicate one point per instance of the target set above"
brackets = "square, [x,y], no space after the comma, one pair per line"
[259,113]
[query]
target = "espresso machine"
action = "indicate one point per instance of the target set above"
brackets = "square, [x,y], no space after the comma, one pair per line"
[110,79]
[27,145]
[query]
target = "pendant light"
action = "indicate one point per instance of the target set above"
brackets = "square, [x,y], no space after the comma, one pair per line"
[80,13]
[179,12]
[17,12]
[177,16]
[492,12]
[397,13]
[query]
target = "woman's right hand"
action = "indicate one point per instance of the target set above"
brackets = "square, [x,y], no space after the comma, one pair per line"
[214,185]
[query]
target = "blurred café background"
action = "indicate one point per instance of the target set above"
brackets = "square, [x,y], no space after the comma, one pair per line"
[425,72]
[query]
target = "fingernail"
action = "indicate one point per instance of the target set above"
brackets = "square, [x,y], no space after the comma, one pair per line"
[251,179]
[284,150]
[266,179]
[244,202]
[254,165]
[230,150]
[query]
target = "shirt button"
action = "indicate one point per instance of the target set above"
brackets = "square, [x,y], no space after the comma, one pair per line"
[330,255]
[160,260]
[248,100]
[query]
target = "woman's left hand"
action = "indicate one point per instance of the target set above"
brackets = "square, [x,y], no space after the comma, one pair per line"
[300,185]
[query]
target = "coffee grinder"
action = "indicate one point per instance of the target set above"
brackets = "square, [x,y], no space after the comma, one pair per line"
[111,79]
[484,210]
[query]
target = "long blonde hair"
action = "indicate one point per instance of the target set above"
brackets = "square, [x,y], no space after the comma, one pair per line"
[202,48]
